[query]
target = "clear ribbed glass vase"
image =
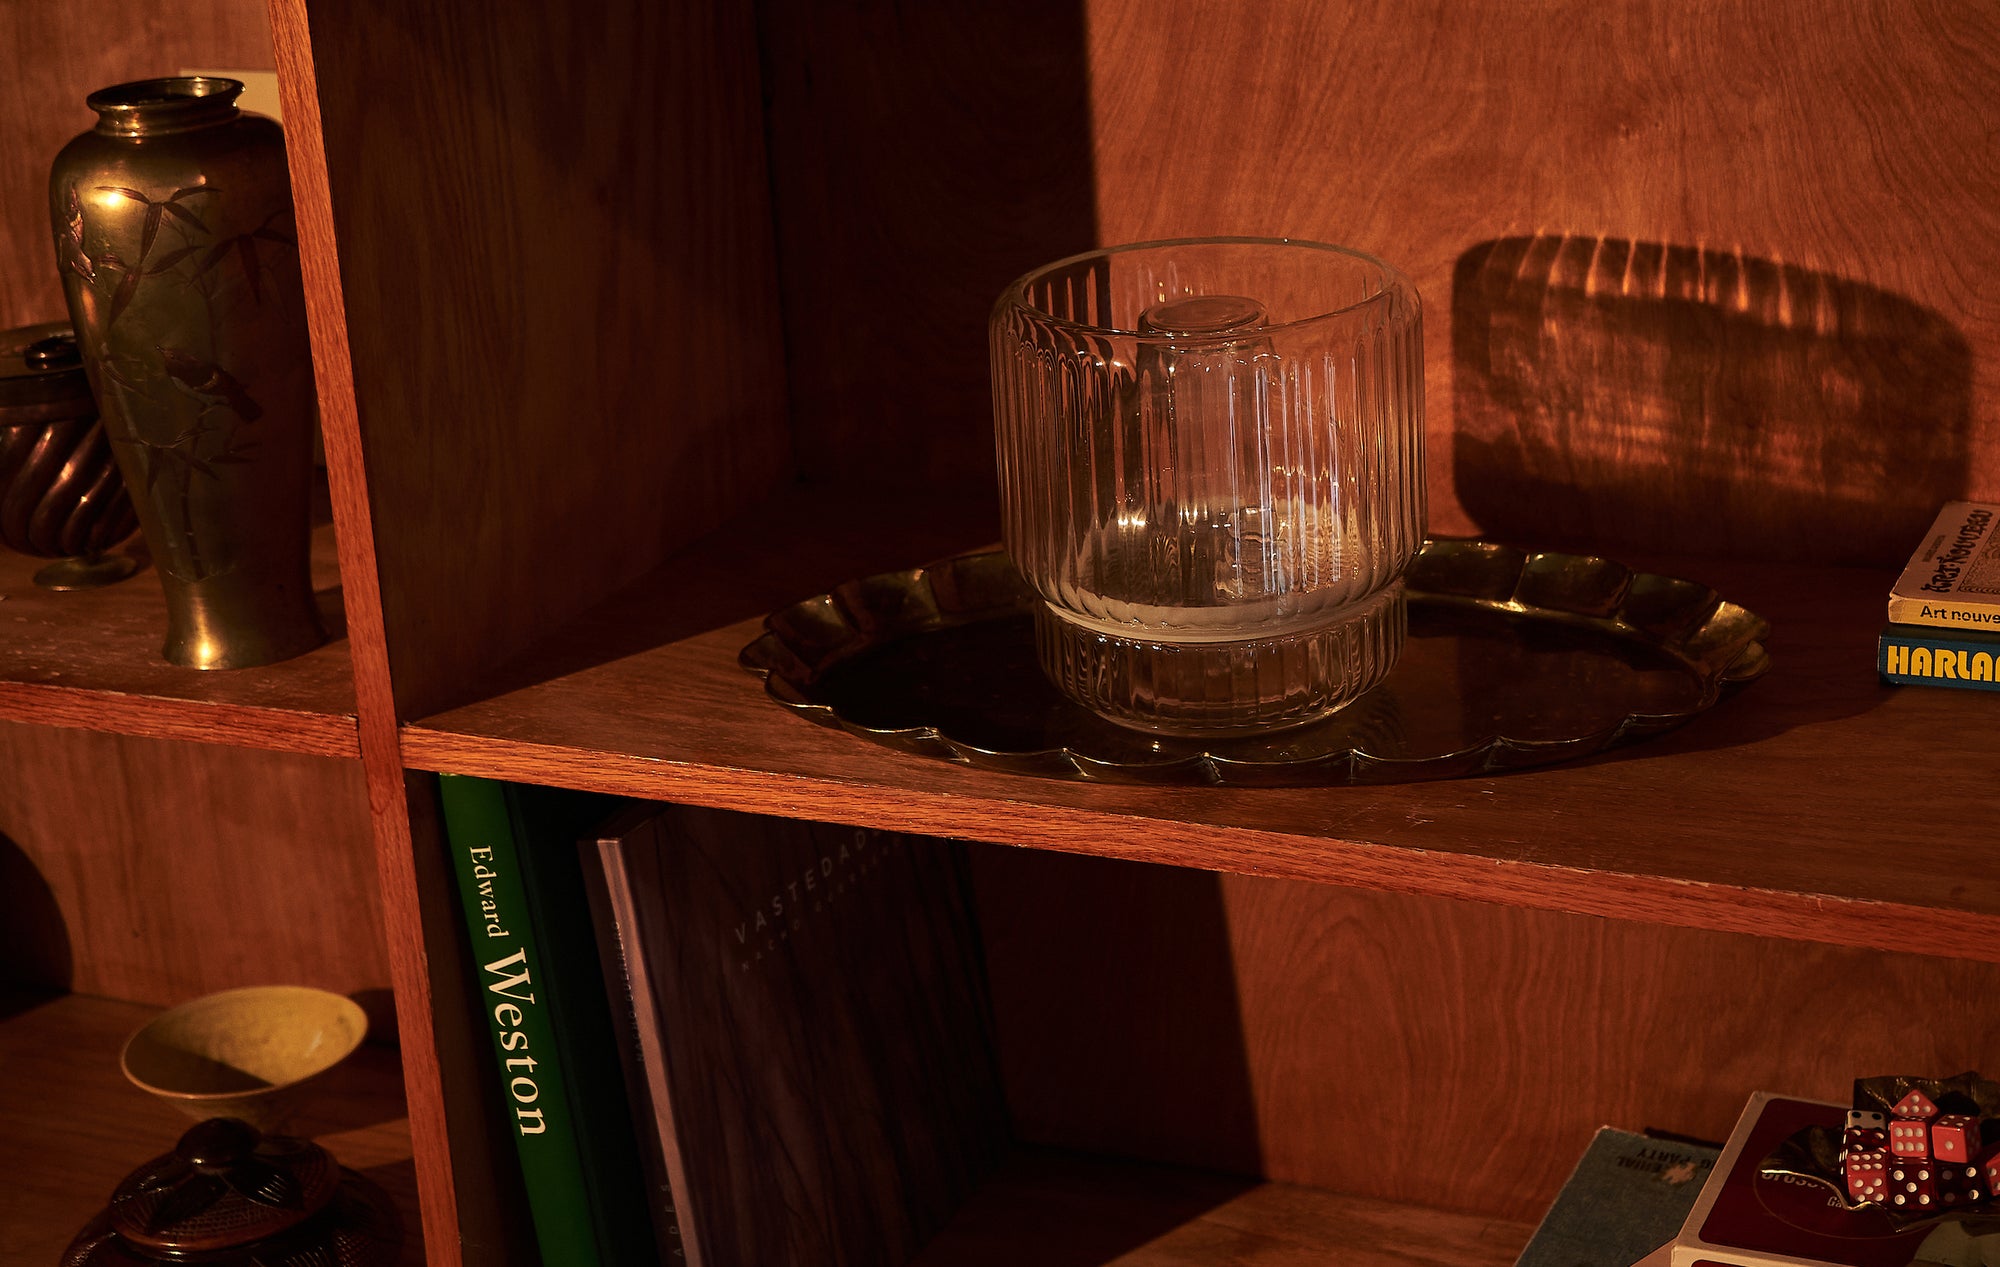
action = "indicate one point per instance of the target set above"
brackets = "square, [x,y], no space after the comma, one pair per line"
[1211,471]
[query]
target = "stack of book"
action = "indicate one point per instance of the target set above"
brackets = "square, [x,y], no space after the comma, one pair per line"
[1944,611]
[724,1038]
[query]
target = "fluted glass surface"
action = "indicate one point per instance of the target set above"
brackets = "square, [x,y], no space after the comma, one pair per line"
[1211,470]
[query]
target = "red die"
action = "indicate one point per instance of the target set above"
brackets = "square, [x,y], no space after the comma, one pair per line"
[1959,1183]
[1867,1175]
[1955,1137]
[1989,1169]
[1913,1186]
[1863,1139]
[1910,1139]
[1916,1104]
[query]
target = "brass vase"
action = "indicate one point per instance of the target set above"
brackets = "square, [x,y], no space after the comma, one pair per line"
[174,234]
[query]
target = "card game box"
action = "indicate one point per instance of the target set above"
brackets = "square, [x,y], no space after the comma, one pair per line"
[1746,1218]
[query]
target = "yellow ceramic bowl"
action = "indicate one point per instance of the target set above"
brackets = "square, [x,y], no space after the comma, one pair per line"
[243,1053]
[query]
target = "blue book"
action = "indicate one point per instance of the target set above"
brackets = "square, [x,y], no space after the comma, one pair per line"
[1923,655]
[1627,1197]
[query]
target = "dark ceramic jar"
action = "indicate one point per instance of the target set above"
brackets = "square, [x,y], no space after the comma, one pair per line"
[60,493]
[229,1197]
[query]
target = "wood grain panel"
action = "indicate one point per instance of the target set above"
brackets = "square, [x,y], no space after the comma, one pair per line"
[1384,1041]
[171,869]
[1604,387]
[556,252]
[1852,142]
[58,54]
[922,156]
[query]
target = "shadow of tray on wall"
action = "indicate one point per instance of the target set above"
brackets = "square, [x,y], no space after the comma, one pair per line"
[1515,658]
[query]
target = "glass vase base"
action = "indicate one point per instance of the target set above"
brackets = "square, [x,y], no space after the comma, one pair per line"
[1249,686]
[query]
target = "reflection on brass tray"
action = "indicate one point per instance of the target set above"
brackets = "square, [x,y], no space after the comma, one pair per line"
[1515,658]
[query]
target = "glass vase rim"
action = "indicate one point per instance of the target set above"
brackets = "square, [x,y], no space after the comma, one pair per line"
[1014,295]
[164,103]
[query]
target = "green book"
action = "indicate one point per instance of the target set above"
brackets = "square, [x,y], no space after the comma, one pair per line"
[534,951]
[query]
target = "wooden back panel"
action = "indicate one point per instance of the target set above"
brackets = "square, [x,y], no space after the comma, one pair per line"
[1739,249]
[1694,269]
[555,247]
[922,156]
[1818,178]
[58,54]
[153,870]
[1448,1053]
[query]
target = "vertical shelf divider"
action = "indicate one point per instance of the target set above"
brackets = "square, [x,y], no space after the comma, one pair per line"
[402,909]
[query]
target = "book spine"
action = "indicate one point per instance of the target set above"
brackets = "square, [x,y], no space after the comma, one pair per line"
[1945,614]
[534,1100]
[548,826]
[1918,659]
[644,1051]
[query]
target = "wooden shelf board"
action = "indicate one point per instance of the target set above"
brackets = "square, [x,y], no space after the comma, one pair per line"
[76,1127]
[1063,1210]
[91,659]
[1816,804]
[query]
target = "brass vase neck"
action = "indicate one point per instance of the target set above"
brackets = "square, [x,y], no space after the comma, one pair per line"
[155,107]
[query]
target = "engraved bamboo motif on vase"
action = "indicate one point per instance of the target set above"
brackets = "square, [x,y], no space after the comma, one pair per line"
[174,235]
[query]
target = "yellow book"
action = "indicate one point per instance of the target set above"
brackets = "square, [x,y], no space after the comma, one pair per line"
[1953,580]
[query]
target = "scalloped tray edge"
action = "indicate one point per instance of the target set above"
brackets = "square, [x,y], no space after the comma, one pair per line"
[1683,618]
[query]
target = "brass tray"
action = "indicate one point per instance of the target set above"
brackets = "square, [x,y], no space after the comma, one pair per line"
[1515,658]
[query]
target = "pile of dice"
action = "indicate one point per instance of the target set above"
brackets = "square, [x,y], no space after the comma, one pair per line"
[1916,1160]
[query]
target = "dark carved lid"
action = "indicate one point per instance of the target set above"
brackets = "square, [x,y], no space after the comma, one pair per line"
[223,1185]
[227,1195]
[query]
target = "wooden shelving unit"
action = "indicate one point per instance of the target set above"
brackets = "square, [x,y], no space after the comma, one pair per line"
[633,322]
[1658,832]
